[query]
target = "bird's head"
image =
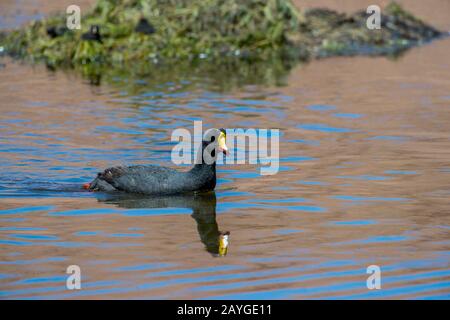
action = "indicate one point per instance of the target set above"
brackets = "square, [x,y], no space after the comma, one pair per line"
[214,141]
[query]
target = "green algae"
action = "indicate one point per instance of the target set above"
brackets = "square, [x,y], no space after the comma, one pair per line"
[185,29]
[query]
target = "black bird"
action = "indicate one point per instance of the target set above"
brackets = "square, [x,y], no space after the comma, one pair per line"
[93,34]
[144,27]
[203,207]
[157,180]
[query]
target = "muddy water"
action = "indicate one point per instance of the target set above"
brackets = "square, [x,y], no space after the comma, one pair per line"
[364,180]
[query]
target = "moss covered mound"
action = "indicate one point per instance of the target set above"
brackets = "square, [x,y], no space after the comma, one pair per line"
[333,34]
[120,32]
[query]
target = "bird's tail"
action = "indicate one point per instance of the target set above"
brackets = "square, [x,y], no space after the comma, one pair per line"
[99,185]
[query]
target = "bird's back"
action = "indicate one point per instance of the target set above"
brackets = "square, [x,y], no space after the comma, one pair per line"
[150,179]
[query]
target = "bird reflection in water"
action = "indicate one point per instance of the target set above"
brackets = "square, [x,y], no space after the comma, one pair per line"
[203,207]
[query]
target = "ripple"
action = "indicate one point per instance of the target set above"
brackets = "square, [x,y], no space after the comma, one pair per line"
[313,183]
[389,138]
[143,267]
[365,177]
[287,231]
[401,172]
[354,223]
[348,115]
[362,199]
[33,236]
[129,212]
[25,210]
[324,128]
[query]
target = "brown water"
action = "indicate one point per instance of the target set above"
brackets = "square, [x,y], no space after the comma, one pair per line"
[364,180]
